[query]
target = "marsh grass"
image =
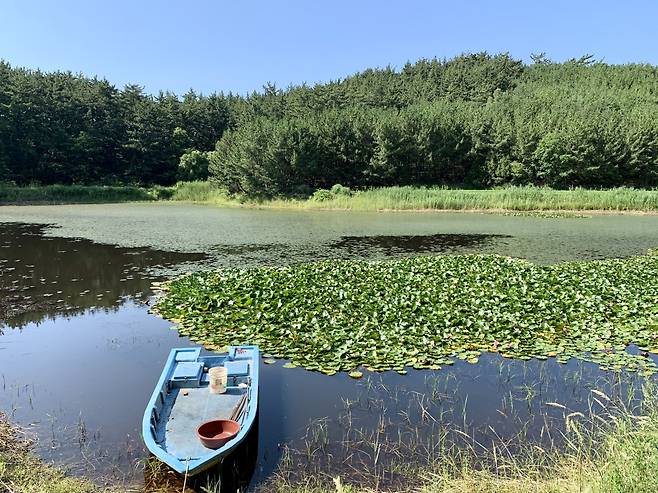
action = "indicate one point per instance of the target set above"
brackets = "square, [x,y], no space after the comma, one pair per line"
[522,199]
[69,194]
[200,191]
[611,448]
[526,198]
[194,191]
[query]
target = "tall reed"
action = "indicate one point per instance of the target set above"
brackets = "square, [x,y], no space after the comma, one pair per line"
[511,198]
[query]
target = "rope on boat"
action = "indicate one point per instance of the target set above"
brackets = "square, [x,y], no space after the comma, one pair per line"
[238,409]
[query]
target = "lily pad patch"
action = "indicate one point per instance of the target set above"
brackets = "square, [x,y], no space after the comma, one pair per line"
[424,312]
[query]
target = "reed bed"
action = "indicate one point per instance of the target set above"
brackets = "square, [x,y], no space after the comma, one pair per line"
[200,191]
[511,198]
[522,198]
[69,194]
[525,198]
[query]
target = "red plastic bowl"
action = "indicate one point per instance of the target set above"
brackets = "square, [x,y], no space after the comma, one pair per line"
[214,434]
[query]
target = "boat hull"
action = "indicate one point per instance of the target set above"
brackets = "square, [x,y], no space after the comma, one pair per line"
[182,401]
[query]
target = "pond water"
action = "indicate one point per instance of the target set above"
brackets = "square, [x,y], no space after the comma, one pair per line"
[80,352]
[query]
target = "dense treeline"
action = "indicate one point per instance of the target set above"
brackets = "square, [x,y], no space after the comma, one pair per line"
[476,120]
[64,128]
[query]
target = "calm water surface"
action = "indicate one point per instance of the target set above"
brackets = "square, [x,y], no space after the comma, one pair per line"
[80,353]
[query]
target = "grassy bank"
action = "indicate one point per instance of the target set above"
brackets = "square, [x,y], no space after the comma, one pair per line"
[340,198]
[22,472]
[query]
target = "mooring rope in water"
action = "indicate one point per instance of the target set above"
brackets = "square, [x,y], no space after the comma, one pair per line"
[187,468]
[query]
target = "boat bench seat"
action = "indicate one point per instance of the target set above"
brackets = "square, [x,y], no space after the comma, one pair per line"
[187,372]
[237,368]
[187,354]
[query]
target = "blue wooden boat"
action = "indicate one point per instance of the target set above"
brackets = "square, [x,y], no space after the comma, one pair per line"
[182,401]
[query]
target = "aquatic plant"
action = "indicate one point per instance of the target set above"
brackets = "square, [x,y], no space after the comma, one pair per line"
[425,311]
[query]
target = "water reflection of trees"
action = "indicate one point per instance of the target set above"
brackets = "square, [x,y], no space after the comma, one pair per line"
[43,277]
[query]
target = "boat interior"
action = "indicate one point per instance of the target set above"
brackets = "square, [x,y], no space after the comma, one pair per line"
[185,402]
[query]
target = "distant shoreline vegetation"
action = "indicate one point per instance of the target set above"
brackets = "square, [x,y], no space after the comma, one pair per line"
[512,200]
[474,121]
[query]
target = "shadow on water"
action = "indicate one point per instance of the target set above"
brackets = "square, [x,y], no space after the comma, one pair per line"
[404,244]
[353,247]
[43,277]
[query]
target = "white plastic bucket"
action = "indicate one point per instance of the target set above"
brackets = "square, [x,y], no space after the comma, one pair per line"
[218,377]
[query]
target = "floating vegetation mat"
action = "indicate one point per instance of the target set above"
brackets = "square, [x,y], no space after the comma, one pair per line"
[545,214]
[423,312]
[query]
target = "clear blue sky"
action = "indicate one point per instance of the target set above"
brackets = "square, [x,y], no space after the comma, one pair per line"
[238,45]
